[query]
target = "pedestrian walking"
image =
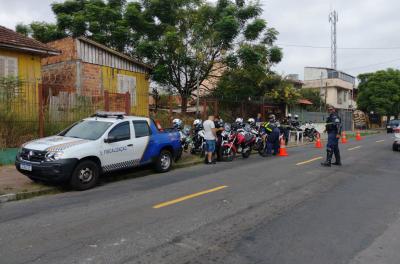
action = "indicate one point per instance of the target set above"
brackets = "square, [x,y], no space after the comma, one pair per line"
[210,135]
[334,129]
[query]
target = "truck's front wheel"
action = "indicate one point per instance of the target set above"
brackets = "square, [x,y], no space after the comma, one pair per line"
[85,175]
[164,161]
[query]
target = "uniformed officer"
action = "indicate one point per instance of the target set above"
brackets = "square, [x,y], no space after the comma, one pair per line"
[272,140]
[334,129]
[286,125]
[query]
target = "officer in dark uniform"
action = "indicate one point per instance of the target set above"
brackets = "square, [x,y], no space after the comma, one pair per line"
[285,126]
[334,129]
[272,138]
[219,124]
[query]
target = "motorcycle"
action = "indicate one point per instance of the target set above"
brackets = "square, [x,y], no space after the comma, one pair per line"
[239,140]
[197,141]
[310,132]
[259,141]
[185,138]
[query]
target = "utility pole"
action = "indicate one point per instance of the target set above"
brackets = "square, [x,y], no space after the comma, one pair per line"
[333,19]
[198,97]
[320,94]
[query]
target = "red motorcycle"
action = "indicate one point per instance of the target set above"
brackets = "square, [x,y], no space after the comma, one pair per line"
[238,140]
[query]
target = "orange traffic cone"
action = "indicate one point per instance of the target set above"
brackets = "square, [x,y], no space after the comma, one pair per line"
[318,144]
[358,135]
[344,139]
[282,149]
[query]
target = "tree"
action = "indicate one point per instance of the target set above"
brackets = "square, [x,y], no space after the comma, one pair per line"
[248,73]
[380,92]
[102,21]
[23,29]
[284,93]
[193,40]
[314,96]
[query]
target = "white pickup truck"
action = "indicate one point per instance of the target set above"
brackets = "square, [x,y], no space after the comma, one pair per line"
[102,143]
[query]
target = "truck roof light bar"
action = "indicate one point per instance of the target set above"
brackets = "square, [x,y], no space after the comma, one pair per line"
[103,114]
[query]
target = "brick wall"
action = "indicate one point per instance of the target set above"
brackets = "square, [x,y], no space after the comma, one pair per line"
[61,75]
[67,48]
[91,80]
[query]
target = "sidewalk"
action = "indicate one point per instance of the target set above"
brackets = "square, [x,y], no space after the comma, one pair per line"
[11,181]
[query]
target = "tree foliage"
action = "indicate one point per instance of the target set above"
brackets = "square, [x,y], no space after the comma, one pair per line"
[187,41]
[284,93]
[313,95]
[380,92]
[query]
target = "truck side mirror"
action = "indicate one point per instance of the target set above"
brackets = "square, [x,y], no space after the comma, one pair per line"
[110,139]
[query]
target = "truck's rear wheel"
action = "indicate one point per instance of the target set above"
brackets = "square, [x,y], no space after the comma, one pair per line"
[164,161]
[85,175]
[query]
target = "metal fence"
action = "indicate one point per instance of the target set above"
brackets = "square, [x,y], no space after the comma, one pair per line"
[32,110]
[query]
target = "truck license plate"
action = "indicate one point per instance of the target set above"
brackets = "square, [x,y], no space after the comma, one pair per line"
[26,167]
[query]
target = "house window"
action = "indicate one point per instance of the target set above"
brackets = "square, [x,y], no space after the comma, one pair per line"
[345,97]
[127,84]
[8,66]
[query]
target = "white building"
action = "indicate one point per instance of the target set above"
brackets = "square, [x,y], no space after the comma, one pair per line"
[336,87]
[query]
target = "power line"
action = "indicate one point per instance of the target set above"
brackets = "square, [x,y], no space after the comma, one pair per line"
[344,48]
[371,65]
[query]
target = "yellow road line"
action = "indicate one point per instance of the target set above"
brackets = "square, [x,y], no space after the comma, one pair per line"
[379,141]
[181,199]
[354,148]
[308,161]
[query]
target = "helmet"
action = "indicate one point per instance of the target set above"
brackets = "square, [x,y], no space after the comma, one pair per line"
[239,120]
[251,121]
[197,122]
[289,115]
[177,123]
[296,116]
[219,123]
[272,117]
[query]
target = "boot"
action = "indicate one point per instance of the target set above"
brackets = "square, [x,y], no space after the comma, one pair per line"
[328,161]
[337,157]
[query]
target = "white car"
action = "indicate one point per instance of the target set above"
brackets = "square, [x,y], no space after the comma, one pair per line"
[102,143]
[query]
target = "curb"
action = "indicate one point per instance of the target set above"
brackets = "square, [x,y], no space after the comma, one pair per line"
[25,195]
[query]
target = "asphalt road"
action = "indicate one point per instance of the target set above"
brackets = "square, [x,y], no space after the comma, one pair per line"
[261,210]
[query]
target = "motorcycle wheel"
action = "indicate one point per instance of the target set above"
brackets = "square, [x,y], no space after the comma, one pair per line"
[246,154]
[228,154]
[258,146]
[261,149]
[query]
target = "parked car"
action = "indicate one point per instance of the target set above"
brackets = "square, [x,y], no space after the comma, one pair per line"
[396,143]
[102,143]
[392,124]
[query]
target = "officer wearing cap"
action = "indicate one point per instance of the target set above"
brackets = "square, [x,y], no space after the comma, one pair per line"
[334,129]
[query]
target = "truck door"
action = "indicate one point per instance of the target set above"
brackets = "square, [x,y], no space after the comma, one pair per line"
[141,138]
[118,149]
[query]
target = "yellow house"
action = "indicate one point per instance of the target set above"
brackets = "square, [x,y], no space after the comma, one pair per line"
[20,57]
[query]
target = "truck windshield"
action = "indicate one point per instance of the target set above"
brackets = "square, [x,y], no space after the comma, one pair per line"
[87,129]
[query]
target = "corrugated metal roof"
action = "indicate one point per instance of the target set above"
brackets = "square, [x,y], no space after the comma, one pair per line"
[12,40]
[119,54]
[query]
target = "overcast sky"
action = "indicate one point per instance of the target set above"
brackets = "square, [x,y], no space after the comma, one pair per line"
[362,24]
